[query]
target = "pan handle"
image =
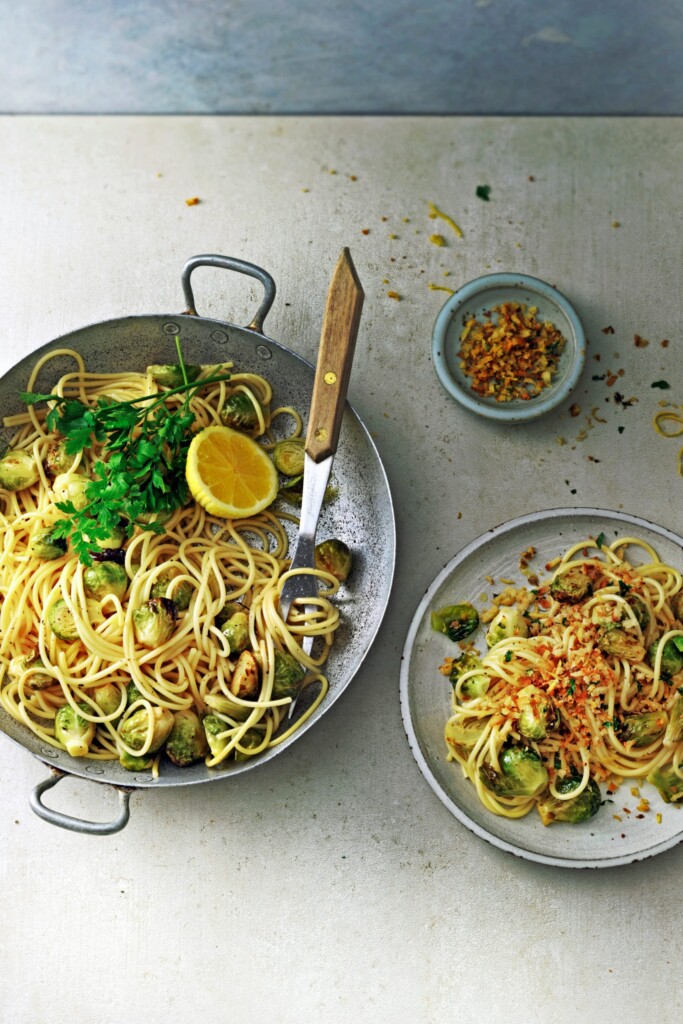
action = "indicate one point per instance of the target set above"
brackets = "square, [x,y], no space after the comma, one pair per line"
[230,263]
[92,828]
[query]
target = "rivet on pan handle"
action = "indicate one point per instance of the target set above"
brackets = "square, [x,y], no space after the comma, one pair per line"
[230,263]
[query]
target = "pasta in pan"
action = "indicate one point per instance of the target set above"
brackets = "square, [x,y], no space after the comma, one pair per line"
[170,640]
[581,686]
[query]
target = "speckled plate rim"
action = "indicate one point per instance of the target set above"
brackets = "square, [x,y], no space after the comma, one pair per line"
[652,849]
[515,412]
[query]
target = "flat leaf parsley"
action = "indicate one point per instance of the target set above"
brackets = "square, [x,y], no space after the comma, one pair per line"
[138,477]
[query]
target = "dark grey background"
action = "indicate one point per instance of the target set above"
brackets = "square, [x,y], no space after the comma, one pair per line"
[342,56]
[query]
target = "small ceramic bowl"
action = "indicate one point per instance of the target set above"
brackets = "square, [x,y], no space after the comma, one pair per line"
[475,299]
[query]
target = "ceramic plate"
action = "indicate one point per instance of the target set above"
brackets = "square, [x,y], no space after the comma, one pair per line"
[599,843]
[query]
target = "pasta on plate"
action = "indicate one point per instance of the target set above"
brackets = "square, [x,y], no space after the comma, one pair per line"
[581,686]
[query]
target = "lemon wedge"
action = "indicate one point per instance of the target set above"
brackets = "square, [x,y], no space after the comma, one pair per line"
[229,474]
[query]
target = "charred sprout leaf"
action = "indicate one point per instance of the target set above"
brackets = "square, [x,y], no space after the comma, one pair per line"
[509,622]
[292,490]
[18,470]
[180,593]
[251,740]
[171,375]
[474,685]
[522,773]
[217,734]
[105,578]
[463,737]
[229,609]
[640,612]
[669,784]
[335,557]
[614,640]
[288,675]
[288,456]
[674,730]
[575,810]
[135,730]
[571,586]
[135,764]
[672,658]
[641,730]
[456,621]
[155,621]
[187,740]
[240,412]
[117,555]
[30,665]
[245,679]
[74,732]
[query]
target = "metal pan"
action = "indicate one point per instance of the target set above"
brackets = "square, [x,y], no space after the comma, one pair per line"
[362,514]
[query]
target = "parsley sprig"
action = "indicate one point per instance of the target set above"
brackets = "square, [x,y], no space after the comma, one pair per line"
[139,477]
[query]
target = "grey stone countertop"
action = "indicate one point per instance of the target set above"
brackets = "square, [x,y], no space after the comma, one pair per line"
[331,884]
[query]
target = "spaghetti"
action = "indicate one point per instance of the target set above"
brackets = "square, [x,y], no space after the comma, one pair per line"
[582,686]
[101,671]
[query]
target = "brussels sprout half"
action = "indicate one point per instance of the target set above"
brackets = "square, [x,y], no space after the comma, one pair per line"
[522,773]
[578,809]
[456,621]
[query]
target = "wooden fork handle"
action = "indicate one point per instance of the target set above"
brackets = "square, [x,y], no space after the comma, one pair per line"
[335,356]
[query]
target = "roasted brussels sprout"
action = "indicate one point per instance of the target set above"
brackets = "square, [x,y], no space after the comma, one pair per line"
[108,698]
[475,685]
[224,706]
[135,764]
[292,490]
[61,621]
[217,734]
[674,730]
[134,730]
[288,456]
[677,605]
[669,784]
[613,640]
[463,737]
[288,675]
[187,740]
[579,808]
[455,620]
[181,593]
[155,621]
[640,612]
[133,694]
[18,470]
[240,412]
[73,732]
[572,585]
[114,541]
[229,609]
[522,773]
[245,679]
[508,623]
[537,713]
[643,729]
[46,545]
[672,657]
[170,375]
[251,740]
[104,578]
[56,460]
[335,557]
[31,663]
[71,487]
[236,632]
